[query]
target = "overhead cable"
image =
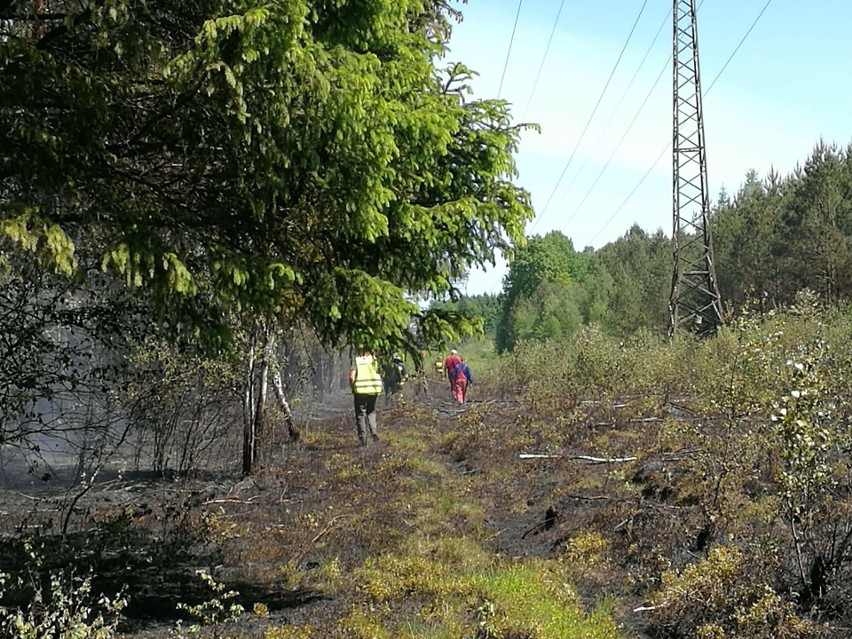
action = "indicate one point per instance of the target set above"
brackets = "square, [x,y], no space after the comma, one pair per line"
[630,195]
[509,51]
[668,146]
[612,115]
[731,57]
[543,58]
[620,142]
[591,117]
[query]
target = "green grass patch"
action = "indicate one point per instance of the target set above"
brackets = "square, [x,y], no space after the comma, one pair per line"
[533,600]
[435,595]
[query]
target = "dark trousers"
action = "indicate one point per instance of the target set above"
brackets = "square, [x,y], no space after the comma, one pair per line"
[365,417]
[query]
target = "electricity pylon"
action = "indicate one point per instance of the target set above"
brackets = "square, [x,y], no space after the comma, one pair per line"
[695,303]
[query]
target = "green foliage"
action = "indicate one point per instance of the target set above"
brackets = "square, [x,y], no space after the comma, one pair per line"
[586,365]
[534,601]
[639,265]
[782,235]
[802,421]
[774,490]
[542,271]
[61,609]
[776,237]
[720,597]
[217,612]
[483,306]
[288,632]
[736,377]
[550,312]
[48,242]
[551,257]
[551,290]
[304,160]
[808,424]
[586,555]
[522,599]
[750,351]
[742,233]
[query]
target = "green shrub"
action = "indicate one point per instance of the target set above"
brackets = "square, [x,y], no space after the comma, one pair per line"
[65,610]
[722,596]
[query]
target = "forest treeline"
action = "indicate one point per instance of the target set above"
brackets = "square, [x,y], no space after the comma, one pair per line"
[775,237]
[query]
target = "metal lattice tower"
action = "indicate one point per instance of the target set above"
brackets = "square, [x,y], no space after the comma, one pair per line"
[695,303]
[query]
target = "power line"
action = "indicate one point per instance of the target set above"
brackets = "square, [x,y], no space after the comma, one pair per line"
[620,142]
[635,117]
[591,117]
[509,52]
[543,58]
[731,57]
[668,146]
[630,195]
[612,115]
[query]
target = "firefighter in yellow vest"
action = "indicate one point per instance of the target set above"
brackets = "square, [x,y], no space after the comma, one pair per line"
[366,385]
[439,368]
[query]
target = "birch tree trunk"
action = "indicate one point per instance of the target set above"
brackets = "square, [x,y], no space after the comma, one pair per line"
[263,367]
[257,396]
[284,405]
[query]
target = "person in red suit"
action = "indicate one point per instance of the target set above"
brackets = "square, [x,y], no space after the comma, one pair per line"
[450,364]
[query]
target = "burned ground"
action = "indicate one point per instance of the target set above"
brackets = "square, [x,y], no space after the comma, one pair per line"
[298,540]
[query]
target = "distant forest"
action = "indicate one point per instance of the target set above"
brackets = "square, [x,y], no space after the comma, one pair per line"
[775,237]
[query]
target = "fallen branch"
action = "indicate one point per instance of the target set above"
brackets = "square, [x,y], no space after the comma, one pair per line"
[535,529]
[231,500]
[648,608]
[587,458]
[328,527]
[604,460]
[499,532]
[32,498]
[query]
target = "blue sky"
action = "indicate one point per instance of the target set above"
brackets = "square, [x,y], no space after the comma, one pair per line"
[786,87]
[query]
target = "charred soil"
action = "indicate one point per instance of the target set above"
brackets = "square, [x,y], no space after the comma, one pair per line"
[300,542]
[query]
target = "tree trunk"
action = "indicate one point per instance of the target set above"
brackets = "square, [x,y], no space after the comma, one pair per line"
[249,434]
[256,405]
[260,413]
[284,405]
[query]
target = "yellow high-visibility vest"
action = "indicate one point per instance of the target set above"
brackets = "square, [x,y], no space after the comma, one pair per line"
[367,378]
